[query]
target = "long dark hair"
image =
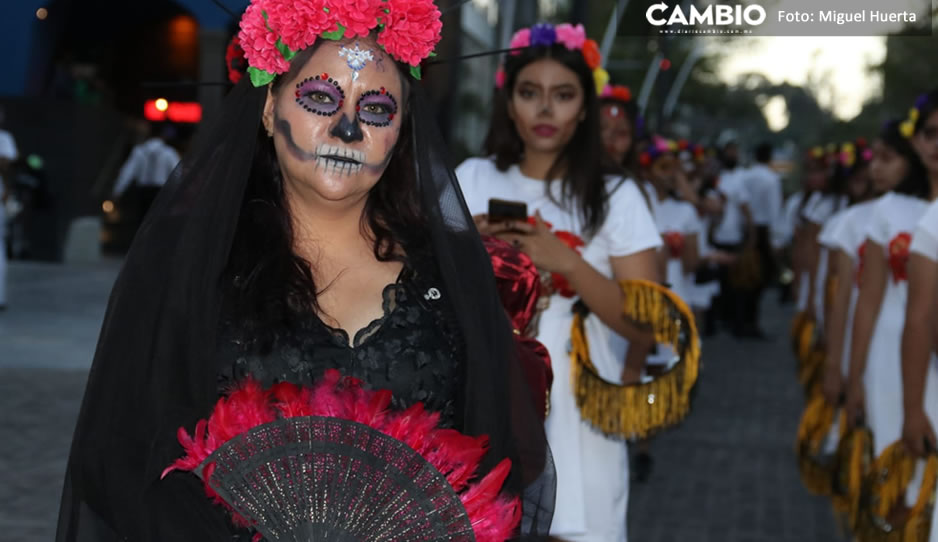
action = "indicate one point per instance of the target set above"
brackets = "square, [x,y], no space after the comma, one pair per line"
[583,158]
[915,182]
[268,283]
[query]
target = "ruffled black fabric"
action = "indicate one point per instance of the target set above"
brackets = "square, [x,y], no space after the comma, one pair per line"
[156,365]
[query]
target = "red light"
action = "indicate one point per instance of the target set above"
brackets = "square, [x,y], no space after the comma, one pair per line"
[188,112]
[665,64]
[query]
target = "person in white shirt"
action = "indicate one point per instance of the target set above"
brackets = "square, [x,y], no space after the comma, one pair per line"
[765,202]
[733,234]
[544,150]
[147,168]
[8,155]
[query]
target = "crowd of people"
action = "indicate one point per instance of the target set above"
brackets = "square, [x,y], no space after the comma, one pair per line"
[315,226]
[863,254]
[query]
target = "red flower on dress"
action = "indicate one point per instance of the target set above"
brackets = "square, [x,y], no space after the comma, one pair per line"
[861,256]
[572,240]
[412,30]
[358,16]
[899,256]
[675,243]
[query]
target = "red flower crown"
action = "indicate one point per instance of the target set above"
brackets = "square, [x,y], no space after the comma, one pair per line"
[274,31]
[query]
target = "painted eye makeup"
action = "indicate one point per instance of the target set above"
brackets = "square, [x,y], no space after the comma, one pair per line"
[321,95]
[377,107]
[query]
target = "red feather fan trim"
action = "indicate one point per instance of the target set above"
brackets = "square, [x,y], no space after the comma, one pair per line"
[494,517]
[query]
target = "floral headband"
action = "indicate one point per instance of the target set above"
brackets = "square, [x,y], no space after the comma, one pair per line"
[849,152]
[571,37]
[657,147]
[907,128]
[616,92]
[274,31]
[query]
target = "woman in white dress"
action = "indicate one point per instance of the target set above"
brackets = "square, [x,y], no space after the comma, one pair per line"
[891,160]
[874,384]
[544,150]
[919,337]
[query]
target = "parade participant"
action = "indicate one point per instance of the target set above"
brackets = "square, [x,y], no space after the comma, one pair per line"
[619,125]
[8,155]
[545,149]
[313,225]
[874,387]
[892,160]
[734,234]
[765,202]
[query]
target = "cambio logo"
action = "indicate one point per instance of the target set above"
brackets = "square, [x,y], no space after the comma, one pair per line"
[713,15]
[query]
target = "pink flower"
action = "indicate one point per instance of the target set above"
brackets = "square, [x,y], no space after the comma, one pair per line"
[607,91]
[571,36]
[357,16]
[522,38]
[258,42]
[299,24]
[412,30]
[500,77]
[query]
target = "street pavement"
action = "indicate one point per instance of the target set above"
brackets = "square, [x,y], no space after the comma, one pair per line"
[727,474]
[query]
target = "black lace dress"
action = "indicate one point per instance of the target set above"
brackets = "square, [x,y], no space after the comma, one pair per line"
[414,349]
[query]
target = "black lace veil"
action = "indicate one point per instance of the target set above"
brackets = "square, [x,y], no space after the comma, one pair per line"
[153,370]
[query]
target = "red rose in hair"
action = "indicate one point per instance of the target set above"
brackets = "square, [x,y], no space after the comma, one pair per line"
[234,60]
[358,16]
[299,24]
[621,93]
[258,42]
[591,54]
[899,256]
[412,30]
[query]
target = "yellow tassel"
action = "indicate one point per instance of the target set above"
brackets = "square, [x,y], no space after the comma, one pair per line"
[817,472]
[854,458]
[637,411]
[884,495]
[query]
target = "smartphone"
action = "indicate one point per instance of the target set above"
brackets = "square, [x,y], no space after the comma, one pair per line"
[503,210]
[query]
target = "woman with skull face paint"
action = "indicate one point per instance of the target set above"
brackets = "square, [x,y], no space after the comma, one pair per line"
[313,226]
[546,152]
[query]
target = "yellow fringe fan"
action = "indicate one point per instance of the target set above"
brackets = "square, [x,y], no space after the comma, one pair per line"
[817,468]
[797,323]
[638,410]
[806,340]
[811,371]
[854,460]
[883,515]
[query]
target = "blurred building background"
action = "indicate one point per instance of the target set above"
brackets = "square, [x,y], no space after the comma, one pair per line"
[79,74]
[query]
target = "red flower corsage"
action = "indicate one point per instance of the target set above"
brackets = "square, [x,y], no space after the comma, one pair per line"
[861,255]
[559,282]
[675,243]
[899,256]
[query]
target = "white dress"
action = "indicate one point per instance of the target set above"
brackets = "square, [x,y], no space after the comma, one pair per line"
[592,470]
[893,216]
[818,210]
[677,218]
[925,243]
[849,235]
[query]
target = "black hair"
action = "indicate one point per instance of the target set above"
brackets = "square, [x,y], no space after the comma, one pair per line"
[763,152]
[270,283]
[583,160]
[926,104]
[915,183]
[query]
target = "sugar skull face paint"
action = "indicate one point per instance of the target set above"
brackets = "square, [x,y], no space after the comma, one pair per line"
[334,135]
[320,95]
[356,58]
[377,107]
